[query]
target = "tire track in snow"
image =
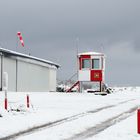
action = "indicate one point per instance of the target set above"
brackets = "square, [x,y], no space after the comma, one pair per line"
[90,132]
[59,122]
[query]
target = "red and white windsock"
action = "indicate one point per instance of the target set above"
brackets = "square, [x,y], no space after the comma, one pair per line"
[20,38]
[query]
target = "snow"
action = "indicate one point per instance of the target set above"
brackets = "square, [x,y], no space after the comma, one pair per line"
[50,107]
[125,130]
[28,56]
[90,53]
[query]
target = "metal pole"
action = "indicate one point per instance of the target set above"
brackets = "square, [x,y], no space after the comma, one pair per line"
[5,88]
[5,102]
[81,86]
[100,86]
[16,75]
[28,101]
[16,43]
[1,71]
[77,51]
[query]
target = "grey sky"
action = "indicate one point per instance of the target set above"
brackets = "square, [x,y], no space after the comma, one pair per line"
[50,29]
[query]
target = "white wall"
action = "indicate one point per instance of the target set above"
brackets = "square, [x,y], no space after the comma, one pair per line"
[32,77]
[52,79]
[29,76]
[84,75]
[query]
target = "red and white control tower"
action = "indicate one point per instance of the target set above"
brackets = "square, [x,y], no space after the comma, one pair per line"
[91,68]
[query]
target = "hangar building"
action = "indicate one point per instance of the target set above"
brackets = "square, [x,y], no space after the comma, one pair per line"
[27,73]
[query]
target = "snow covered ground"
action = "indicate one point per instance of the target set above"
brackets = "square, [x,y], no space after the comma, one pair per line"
[125,130]
[72,115]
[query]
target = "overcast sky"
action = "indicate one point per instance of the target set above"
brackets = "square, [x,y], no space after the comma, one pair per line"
[50,30]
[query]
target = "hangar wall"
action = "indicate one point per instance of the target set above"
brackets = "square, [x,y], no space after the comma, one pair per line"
[33,77]
[26,75]
[52,81]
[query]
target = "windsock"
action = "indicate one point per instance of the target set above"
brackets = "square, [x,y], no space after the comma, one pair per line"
[20,38]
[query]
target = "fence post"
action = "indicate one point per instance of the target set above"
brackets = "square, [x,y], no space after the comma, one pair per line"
[5,88]
[5,101]
[28,101]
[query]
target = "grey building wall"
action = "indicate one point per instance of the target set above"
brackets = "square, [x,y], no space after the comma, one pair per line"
[52,81]
[33,77]
[28,75]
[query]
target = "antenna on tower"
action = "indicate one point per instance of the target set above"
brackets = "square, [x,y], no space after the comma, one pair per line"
[77,45]
[102,48]
[77,51]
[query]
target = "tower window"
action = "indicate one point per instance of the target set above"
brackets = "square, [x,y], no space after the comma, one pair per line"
[95,64]
[86,63]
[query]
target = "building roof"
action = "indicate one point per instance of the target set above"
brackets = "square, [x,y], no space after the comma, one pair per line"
[90,53]
[6,51]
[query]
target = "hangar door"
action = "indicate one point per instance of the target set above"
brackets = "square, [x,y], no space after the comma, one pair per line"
[32,77]
[9,66]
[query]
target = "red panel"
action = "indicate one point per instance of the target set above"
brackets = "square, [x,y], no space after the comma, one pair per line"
[138,121]
[80,63]
[84,56]
[96,75]
[80,60]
